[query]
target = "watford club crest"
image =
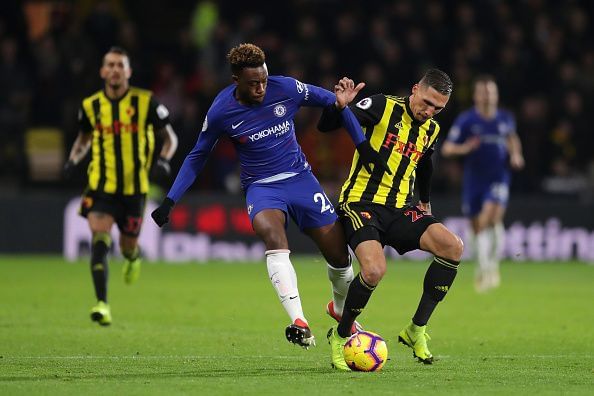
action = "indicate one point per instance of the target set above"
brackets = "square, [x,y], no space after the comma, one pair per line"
[366,215]
[425,140]
[87,202]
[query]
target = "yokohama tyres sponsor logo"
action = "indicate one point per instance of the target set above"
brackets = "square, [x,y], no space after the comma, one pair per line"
[277,130]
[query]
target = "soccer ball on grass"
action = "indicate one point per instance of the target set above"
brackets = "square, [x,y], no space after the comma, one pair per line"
[365,351]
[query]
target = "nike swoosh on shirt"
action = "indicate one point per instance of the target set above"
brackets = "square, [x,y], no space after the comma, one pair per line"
[235,126]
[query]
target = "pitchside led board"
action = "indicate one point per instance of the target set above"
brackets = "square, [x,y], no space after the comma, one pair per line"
[210,230]
[217,227]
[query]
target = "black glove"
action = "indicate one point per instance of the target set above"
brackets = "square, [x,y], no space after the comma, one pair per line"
[161,214]
[162,169]
[68,170]
[370,156]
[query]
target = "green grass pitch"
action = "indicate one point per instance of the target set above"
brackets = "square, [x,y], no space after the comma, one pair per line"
[218,328]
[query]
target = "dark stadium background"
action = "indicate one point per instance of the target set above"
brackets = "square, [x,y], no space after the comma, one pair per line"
[541,53]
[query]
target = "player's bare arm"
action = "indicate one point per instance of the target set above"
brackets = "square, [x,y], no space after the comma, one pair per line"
[450,149]
[162,167]
[170,142]
[424,176]
[80,148]
[514,145]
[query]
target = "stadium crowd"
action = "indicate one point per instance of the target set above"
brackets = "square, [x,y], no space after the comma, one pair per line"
[540,52]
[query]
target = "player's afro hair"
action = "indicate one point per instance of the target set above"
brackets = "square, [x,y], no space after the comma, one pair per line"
[245,55]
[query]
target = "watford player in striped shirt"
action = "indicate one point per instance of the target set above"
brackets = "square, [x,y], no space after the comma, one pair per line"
[118,124]
[376,208]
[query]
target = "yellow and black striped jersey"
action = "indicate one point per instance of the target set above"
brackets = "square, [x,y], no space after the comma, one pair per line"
[400,140]
[123,139]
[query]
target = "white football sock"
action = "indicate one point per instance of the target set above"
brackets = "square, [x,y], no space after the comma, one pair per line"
[284,280]
[498,242]
[483,249]
[341,279]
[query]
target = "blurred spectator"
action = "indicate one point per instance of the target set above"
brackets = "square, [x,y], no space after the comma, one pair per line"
[49,82]
[564,176]
[204,20]
[14,107]
[103,23]
[533,124]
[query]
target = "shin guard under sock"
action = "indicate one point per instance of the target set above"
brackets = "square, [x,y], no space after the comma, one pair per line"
[356,299]
[99,267]
[438,280]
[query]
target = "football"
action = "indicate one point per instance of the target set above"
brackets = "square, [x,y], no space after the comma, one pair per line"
[365,351]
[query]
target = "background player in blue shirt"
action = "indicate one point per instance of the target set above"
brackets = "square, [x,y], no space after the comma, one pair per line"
[256,112]
[486,136]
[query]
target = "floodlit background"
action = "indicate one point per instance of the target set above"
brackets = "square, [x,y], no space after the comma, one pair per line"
[540,52]
[212,325]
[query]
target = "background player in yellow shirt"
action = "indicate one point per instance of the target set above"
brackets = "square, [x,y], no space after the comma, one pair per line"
[118,124]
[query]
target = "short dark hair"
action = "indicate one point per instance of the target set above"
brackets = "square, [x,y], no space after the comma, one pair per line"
[483,78]
[438,80]
[117,50]
[245,55]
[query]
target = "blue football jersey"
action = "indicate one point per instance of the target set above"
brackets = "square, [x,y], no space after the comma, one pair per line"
[263,134]
[491,158]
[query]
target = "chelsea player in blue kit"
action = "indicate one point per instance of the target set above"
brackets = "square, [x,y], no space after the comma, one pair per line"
[256,112]
[486,136]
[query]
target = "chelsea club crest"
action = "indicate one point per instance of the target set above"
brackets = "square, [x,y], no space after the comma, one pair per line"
[280,110]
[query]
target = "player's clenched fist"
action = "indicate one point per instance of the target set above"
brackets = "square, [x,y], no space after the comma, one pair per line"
[161,214]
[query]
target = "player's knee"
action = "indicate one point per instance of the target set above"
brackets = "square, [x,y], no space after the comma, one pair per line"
[456,247]
[274,240]
[339,263]
[486,223]
[373,273]
[452,247]
[486,220]
[338,259]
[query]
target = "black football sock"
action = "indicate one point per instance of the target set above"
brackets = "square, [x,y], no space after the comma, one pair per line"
[356,299]
[438,280]
[99,268]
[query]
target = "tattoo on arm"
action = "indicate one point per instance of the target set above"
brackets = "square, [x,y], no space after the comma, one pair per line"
[80,147]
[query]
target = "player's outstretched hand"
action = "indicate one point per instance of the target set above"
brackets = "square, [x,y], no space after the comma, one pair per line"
[370,156]
[346,91]
[161,214]
[68,169]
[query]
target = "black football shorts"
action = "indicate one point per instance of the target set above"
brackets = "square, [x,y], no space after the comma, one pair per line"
[127,210]
[400,228]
